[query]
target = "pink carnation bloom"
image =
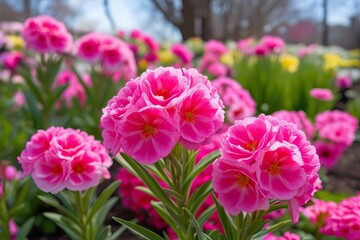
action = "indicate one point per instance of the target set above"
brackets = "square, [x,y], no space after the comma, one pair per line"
[305,51]
[344,220]
[11,173]
[273,43]
[148,135]
[19,99]
[61,158]
[175,97]
[336,126]
[279,163]
[329,153]
[114,55]
[239,102]
[184,54]
[319,211]
[12,59]
[230,179]
[343,82]
[322,94]
[261,50]
[45,34]
[215,47]
[299,118]
[246,46]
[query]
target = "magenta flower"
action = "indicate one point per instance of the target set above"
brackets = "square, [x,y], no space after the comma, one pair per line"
[148,135]
[215,47]
[237,187]
[61,158]
[88,47]
[45,34]
[273,43]
[299,118]
[184,54]
[181,99]
[319,211]
[329,153]
[322,94]
[343,82]
[11,59]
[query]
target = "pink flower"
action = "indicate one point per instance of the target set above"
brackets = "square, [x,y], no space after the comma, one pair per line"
[180,98]
[286,236]
[113,54]
[273,43]
[13,228]
[237,187]
[322,94]
[45,34]
[184,54]
[19,99]
[278,164]
[344,220]
[305,51]
[299,118]
[148,135]
[12,59]
[61,158]
[246,46]
[215,47]
[336,126]
[261,50]
[343,82]
[10,173]
[239,102]
[329,153]
[1,190]
[319,211]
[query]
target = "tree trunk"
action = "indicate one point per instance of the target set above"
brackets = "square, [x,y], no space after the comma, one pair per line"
[187,28]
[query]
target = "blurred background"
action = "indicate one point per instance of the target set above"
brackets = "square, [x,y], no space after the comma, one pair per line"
[326,22]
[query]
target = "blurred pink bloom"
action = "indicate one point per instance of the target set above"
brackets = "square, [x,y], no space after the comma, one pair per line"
[184,54]
[322,94]
[114,55]
[261,50]
[246,46]
[273,43]
[217,69]
[45,34]
[151,43]
[135,34]
[61,158]
[299,118]
[19,99]
[12,59]
[305,51]
[13,228]
[11,173]
[336,126]
[1,190]
[215,48]
[343,82]
[237,187]
[329,153]
[319,211]
[344,220]
[148,135]
[239,102]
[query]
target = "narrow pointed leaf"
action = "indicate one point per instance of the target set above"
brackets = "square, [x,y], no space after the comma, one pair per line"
[139,230]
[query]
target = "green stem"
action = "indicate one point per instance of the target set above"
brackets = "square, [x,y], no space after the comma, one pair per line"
[85,225]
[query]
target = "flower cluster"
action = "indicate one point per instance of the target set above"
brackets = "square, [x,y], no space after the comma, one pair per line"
[266,45]
[210,61]
[111,52]
[45,34]
[322,94]
[158,109]
[238,102]
[259,159]
[59,158]
[319,211]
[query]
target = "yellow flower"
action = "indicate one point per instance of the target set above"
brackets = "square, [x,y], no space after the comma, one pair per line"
[350,63]
[15,42]
[142,64]
[228,58]
[166,57]
[332,61]
[289,62]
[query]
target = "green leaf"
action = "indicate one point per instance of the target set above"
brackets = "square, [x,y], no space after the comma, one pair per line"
[270,229]
[226,222]
[71,229]
[204,163]
[149,180]
[103,211]
[117,233]
[56,94]
[25,228]
[199,196]
[104,196]
[16,210]
[206,214]
[139,230]
[25,73]
[165,215]
[330,196]
[255,227]
[195,223]
[104,234]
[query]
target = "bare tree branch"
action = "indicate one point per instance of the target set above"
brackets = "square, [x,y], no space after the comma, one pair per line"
[109,16]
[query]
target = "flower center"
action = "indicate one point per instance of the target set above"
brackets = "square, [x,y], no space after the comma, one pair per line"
[189,116]
[78,168]
[274,169]
[56,170]
[251,146]
[162,92]
[242,180]
[148,131]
